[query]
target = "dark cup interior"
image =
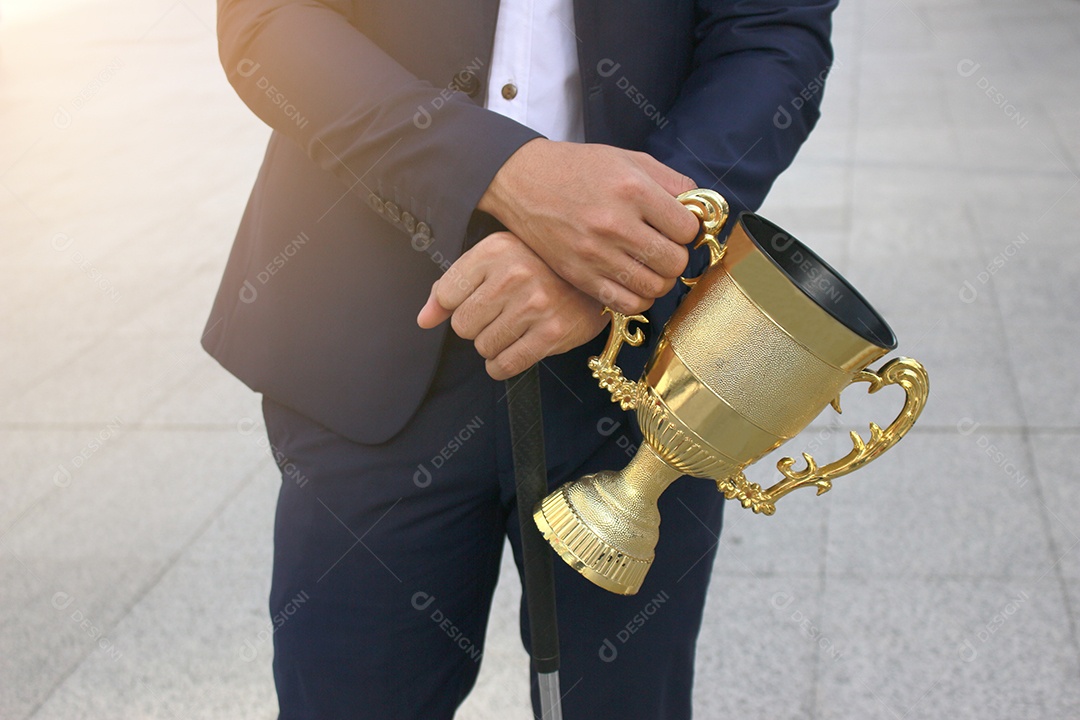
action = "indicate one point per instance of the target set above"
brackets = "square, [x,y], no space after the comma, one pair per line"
[818,281]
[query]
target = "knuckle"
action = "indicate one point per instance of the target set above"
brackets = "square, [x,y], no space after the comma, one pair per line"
[636,304]
[505,365]
[459,321]
[603,222]
[486,348]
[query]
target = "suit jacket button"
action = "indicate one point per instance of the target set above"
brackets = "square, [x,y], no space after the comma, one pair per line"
[467,82]
[392,212]
[408,221]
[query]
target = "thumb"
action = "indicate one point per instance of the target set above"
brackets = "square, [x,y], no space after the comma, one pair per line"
[432,314]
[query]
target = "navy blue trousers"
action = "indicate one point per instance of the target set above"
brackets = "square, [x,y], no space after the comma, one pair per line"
[386,558]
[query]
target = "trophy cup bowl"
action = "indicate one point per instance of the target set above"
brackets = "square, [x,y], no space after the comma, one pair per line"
[766,337]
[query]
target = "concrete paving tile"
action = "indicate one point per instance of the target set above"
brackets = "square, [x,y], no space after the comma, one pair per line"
[179,309]
[211,658]
[1036,297]
[961,344]
[1040,42]
[96,540]
[759,647]
[209,395]
[889,28]
[888,99]
[811,199]
[941,505]
[948,649]
[1066,124]
[86,298]
[41,461]
[926,143]
[790,543]
[909,215]
[1059,483]
[122,378]
[143,491]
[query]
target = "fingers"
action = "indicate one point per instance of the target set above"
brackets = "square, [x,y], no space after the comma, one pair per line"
[667,214]
[432,314]
[671,219]
[515,360]
[545,339]
[673,181]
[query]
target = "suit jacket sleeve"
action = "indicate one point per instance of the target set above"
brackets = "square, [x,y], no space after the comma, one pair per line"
[307,71]
[752,95]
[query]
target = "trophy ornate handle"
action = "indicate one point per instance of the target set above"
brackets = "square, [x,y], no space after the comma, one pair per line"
[905,372]
[623,391]
[711,211]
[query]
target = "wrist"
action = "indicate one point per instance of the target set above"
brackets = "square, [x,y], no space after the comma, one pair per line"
[497,200]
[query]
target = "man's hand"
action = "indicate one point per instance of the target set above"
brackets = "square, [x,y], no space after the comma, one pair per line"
[517,311]
[605,219]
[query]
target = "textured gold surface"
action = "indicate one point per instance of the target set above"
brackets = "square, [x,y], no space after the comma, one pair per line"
[788,307]
[742,356]
[696,405]
[744,364]
[606,525]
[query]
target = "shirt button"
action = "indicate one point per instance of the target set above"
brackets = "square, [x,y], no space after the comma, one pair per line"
[509,91]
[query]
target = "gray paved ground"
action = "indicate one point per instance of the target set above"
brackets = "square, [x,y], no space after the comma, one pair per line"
[136,502]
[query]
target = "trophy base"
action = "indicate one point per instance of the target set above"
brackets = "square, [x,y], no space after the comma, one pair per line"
[582,550]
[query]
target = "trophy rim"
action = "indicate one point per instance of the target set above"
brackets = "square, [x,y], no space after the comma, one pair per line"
[857,309]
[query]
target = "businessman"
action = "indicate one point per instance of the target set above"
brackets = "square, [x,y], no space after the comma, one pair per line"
[451,193]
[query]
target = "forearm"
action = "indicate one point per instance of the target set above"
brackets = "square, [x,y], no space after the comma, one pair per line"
[306,71]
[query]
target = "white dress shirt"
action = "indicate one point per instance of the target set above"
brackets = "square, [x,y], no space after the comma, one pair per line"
[535,78]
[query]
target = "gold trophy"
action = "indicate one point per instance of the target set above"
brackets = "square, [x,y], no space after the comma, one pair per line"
[767,337]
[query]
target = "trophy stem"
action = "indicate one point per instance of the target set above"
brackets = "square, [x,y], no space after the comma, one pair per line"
[606,525]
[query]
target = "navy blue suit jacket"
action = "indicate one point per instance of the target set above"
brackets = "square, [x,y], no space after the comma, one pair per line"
[381,150]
